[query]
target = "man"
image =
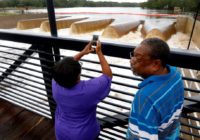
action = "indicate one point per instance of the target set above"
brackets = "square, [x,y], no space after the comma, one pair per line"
[158,103]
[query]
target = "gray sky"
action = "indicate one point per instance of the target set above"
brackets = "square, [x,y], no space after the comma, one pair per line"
[122,0]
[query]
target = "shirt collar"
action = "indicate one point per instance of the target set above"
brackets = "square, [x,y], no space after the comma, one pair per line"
[153,78]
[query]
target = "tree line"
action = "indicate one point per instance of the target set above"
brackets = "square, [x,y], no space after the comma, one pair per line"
[185,5]
[62,3]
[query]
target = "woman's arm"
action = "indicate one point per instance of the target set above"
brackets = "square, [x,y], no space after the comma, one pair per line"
[103,62]
[88,49]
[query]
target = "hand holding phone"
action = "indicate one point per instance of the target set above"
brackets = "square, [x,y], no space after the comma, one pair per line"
[94,41]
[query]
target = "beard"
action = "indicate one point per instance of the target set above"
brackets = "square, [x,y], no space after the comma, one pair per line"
[134,71]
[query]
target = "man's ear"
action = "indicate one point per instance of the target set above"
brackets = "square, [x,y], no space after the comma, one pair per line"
[157,64]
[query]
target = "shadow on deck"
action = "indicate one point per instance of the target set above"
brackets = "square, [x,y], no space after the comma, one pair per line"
[18,123]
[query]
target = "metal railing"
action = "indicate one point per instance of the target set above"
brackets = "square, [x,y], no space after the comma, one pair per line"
[25,69]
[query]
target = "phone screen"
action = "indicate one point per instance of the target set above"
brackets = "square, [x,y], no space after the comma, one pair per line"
[94,40]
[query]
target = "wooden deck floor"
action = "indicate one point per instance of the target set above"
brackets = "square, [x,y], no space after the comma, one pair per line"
[17,123]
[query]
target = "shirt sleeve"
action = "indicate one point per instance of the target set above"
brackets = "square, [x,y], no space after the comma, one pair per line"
[99,86]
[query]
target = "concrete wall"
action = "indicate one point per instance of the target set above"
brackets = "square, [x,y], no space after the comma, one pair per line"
[7,22]
[184,24]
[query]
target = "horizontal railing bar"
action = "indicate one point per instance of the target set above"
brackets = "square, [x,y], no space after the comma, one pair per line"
[22,92]
[23,67]
[191,79]
[112,65]
[114,74]
[190,117]
[111,123]
[106,121]
[30,63]
[105,136]
[190,126]
[117,105]
[113,134]
[127,85]
[110,116]
[35,76]
[190,134]
[38,105]
[31,50]
[28,79]
[24,73]
[191,99]
[29,56]
[123,84]
[121,131]
[118,99]
[26,88]
[192,90]
[111,110]
[122,92]
[32,107]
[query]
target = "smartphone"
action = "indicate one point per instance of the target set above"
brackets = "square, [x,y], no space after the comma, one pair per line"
[94,40]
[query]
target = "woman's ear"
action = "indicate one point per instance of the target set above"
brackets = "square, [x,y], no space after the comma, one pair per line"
[79,78]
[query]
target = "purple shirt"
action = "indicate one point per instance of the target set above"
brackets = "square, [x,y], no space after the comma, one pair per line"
[75,116]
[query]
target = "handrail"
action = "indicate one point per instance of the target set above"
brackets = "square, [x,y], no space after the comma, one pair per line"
[113,111]
[188,58]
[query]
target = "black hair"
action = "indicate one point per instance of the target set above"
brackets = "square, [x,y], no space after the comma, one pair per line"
[66,72]
[159,49]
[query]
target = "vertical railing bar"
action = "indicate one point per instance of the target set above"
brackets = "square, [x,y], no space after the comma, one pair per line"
[53,27]
[47,76]
[194,23]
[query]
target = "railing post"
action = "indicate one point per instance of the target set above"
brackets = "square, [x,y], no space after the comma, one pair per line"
[193,26]
[53,27]
[46,70]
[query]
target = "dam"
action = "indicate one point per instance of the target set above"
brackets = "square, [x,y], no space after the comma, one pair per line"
[133,30]
[109,30]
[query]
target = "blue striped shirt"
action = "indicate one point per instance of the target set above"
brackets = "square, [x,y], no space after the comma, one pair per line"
[157,107]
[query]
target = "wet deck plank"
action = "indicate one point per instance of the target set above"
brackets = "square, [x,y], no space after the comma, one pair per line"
[18,123]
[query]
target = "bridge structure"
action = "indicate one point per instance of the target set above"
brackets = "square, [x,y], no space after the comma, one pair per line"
[27,107]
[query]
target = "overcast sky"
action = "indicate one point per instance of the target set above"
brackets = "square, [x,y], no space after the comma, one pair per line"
[122,0]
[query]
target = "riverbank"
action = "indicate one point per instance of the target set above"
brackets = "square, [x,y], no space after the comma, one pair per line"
[10,21]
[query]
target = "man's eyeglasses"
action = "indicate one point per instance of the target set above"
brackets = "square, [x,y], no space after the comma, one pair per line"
[131,54]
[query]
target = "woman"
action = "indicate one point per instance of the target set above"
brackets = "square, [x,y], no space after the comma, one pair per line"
[76,99]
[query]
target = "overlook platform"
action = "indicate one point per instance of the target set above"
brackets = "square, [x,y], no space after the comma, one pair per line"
[19,123]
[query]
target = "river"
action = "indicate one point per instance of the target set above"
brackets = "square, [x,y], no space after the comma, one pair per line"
[120,14]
